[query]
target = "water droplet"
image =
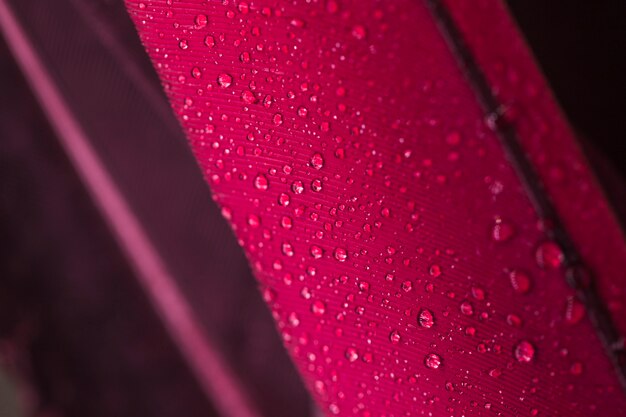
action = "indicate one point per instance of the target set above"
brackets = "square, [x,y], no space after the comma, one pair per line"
[352,354]
[394,337]
[243,7]
[318,308]
[317,161]
[524,351]
[224,80]
[435,270]
[209,41]
[286,222]
[287,249]
[293,319]
[277,119]
[574,310]
[201,21]
[261,182]
[341,254]
[359,32]
[467,308]
[502,231]
[283,199]
[514,320]
[549,255]
[478,293]
[426,318]
[297,187]
[432,361]
[196,73]
[316,252]
[254,220]
[269,295]
[520,281]
[316,185]
[248,97]
[576,368]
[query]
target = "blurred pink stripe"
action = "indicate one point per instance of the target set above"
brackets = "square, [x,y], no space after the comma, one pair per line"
[215,379]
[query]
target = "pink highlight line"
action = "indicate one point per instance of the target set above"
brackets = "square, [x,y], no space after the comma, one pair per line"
[205,361]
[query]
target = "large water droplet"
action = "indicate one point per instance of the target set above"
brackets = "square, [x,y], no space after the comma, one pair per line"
[352,354]
[318,308]
[524,351]
[247,97]
[502,231]
[297,187]
[520,281]
[317,161]
[341,254]
[549,255]
[224,80]
[467,308]
[283,199]
[287,249]
[394,337]
[316,185]
[432,361]
[261,182]
[201,21]
[316,251]
[196,72]
[426,318]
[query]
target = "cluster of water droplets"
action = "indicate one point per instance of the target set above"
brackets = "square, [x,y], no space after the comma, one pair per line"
[321,204]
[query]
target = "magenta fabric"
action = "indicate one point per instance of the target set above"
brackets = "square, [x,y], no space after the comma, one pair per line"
[405,267]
